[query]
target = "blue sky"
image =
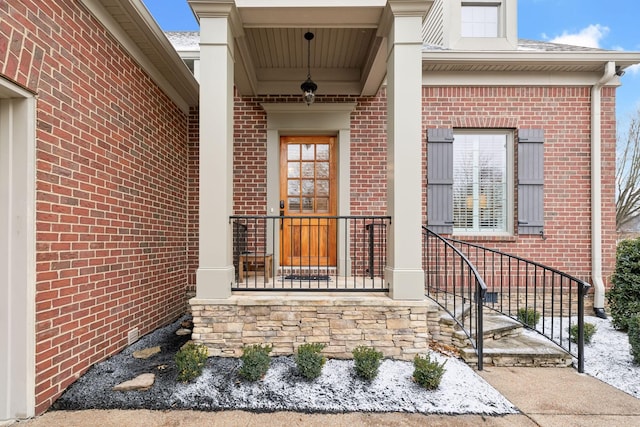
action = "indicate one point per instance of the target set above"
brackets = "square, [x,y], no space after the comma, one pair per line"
[595,23]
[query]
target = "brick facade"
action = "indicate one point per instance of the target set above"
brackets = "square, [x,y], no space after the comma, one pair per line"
[565,115]
[563,112]
[111,189]
[117,180]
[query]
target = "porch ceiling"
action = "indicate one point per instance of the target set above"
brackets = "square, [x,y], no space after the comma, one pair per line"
[348,51]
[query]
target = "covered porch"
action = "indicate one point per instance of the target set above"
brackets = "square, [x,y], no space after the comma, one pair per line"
[257,50]
[254,49]
[283,198]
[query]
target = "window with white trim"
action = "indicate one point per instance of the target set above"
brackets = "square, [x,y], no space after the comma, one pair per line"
[479,20]
[482,182]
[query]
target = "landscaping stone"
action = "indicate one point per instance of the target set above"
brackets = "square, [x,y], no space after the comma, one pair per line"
[183,331]
[146,353]
[141,382]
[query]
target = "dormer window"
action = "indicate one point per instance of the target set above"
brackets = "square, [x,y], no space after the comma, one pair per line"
[479,20]
[473,24]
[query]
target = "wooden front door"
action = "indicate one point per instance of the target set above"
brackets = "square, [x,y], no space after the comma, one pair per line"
[308,188]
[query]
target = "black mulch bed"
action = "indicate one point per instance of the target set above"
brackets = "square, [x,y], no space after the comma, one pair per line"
[94,389]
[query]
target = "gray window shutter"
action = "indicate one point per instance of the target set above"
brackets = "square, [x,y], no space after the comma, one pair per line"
[530,181]
[440,180]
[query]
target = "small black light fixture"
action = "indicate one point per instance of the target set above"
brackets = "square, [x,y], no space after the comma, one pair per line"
[308,86]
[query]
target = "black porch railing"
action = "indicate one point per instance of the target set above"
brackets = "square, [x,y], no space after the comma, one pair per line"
[516,285]
[310,253]
[453,282]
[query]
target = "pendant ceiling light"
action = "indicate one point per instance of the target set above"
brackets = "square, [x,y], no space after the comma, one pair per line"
[308,86]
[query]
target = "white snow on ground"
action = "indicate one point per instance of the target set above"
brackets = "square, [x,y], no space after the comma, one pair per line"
[608,358]
[338,389]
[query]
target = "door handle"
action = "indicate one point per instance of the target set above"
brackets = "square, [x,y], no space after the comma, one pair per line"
[281,214]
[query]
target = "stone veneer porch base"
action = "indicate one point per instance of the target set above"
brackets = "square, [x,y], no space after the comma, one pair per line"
[399,329]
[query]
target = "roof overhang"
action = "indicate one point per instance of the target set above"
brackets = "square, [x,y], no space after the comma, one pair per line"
[592,61]
[131,24]
[348,52]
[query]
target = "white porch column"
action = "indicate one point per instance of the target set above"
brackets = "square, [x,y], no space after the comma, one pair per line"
[215,273]
[404,272]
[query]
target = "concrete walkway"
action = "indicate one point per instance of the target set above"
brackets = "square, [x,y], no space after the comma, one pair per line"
[545,396]
[563,397]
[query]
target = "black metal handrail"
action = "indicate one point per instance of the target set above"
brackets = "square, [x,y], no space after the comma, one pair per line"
[358,265]
[515,285]
[454,283]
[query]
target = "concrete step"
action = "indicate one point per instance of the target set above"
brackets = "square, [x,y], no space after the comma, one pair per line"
[508,343]
[526,349]
[496,326]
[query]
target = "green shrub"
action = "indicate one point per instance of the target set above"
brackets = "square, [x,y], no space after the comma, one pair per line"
[309,360]
[427,372]
[255,361]
[190,361]
[624,295]
[589,330]
[528,316]
[367,361]
[634,338]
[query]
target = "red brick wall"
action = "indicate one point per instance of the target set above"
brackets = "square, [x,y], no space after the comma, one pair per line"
[193,199]
[111,207]
[368,153]
[565,115]
[369,156]
[250,157]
